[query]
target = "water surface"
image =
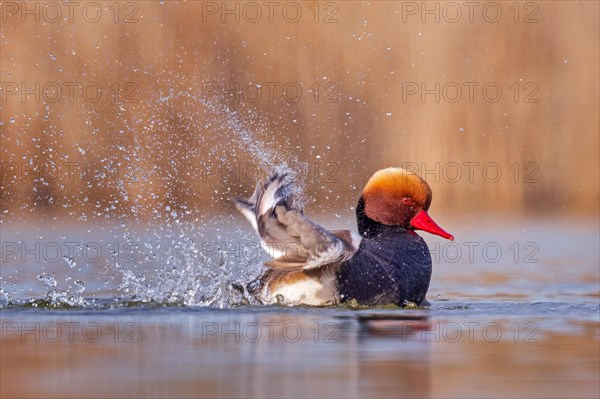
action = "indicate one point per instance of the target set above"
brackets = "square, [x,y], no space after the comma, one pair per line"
[517,325]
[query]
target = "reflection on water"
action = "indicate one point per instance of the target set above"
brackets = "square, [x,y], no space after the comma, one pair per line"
[279,352]
[498,326]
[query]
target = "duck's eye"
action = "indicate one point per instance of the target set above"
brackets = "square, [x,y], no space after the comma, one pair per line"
[406,201]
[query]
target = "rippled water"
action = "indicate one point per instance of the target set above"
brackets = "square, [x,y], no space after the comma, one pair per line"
[153,313]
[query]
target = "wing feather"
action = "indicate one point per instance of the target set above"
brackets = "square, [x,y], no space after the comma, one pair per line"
[291,238]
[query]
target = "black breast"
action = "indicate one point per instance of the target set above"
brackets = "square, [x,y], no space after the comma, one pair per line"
[391,266]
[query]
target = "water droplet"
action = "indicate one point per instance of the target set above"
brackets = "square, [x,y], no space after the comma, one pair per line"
[80,286]
[70,261]
[49,281]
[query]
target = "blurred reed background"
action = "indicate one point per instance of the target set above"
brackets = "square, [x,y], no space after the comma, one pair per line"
[156,146]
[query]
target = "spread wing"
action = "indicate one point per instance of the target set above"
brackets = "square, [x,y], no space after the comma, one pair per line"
[294,241]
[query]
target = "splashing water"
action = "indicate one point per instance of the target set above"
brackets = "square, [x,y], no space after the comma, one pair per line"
[189,276]
[172,260]
[55,298]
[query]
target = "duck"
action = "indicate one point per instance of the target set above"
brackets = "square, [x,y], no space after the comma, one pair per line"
[387,262]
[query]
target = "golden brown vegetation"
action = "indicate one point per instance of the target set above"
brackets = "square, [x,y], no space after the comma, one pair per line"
[163,147]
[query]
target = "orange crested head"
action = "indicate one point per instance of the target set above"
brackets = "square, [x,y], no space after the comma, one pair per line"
[397,197]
